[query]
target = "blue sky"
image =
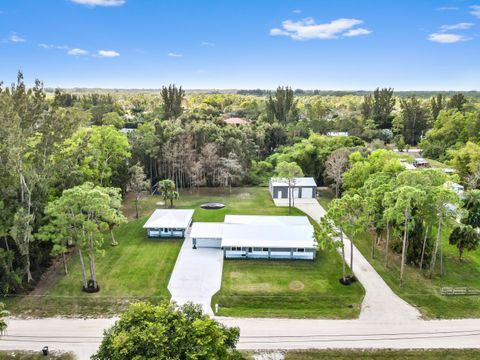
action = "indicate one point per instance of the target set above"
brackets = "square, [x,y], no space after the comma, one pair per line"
[314,44]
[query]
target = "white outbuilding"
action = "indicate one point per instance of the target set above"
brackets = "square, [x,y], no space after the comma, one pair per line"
[169,223]
[303,188]
[258,237]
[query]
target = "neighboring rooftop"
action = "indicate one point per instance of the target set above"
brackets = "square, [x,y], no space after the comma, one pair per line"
[169,218]
[236,121]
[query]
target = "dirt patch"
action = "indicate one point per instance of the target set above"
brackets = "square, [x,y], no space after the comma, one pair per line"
[296,285]
[53,273]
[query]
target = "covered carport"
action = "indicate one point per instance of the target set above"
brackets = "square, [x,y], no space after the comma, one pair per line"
[207,235]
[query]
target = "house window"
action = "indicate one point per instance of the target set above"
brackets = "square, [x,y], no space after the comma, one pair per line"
[301,250]
[265,249]
[250,249]
[236,248]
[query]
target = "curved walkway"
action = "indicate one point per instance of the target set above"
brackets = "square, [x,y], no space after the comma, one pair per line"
[380,302]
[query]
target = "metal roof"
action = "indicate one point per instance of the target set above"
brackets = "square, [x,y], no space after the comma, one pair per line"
[258,231]
[299,181]
[170,218]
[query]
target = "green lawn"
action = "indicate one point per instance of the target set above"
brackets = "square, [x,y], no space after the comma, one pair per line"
[423,292]
[137,268]
[27,355]
[380,354]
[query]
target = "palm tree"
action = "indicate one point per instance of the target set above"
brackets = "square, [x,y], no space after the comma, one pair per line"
[166,188]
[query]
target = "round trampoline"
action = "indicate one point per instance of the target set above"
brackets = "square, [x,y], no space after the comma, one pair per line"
[212,206]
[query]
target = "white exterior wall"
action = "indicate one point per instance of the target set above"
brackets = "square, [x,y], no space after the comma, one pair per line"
[286,254]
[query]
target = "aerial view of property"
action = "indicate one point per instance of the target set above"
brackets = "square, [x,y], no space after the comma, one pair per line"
[239,180]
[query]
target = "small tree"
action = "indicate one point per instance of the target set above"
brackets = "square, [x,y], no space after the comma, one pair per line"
[335,165]
[464,237]
[3,322]
[166,331]
[288,172]
[21,233]
[137,184]
[166,188]
[81,215]
[400,204]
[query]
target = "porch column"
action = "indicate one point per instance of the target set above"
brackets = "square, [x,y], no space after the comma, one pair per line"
[291,253]
[269,253]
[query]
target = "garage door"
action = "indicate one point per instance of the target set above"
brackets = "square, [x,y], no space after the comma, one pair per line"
[209,243]
[307,193]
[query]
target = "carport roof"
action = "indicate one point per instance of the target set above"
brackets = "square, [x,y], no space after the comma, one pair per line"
[207,230]
[170,218]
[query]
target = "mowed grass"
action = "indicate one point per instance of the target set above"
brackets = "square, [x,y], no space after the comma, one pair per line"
[138,268]
[346,354]
[30,355]
[240,201]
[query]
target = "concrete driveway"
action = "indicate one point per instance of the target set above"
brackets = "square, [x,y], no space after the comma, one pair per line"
[197,275]
[380,302]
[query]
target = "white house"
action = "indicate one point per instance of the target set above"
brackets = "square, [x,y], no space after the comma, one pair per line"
[304,188]
[169,222]
[258,237]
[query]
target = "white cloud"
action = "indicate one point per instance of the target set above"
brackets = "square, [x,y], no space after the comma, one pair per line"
[50,46]
[307,29]
[475,10]
[15,38]
[93,3]
[174,54]
[447,8]
[459,26]
[77,52]
[107,53]
[206,43]
[357,32]
[447,38]
[297,11]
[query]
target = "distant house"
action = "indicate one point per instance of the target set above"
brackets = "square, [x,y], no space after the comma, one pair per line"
[459,189]
[337,133]
[305,188]
[421,163]
[236,121]
[258,237]
[169,223]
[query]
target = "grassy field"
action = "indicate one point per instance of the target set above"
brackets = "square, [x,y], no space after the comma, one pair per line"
[423,292]
[380,354]
[137,268]
[27,355]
